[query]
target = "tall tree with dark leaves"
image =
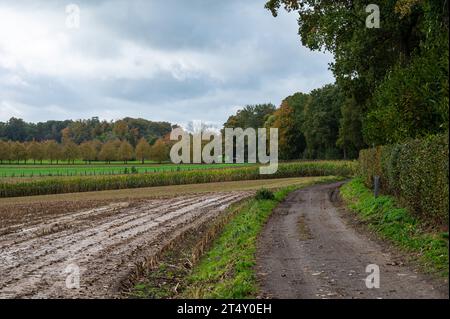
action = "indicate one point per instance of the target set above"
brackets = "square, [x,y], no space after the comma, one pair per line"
[396,76]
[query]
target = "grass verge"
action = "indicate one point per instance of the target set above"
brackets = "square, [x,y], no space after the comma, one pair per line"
[394,223]
[226,270]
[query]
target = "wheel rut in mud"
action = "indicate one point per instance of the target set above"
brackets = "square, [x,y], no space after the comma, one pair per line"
[104,243]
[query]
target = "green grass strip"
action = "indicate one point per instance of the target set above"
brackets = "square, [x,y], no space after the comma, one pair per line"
[227,270]
[394,223]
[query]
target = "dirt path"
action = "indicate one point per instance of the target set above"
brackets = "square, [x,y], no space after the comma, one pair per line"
[307,250]
[105,243]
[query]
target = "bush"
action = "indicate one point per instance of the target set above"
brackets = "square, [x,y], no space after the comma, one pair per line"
[416,172]
[264,193]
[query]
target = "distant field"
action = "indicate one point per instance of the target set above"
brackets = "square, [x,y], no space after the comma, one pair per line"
[172,175]
[117,168]
[76,162]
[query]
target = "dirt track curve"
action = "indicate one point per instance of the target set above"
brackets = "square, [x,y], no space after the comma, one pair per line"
[105,243]
[307,250]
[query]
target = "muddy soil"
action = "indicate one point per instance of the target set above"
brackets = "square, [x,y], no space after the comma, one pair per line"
[40,256]
[308,250]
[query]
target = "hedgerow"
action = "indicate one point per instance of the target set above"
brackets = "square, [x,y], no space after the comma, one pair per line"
[415,171]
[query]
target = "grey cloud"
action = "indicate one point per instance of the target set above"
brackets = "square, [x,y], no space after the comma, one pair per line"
[242,55]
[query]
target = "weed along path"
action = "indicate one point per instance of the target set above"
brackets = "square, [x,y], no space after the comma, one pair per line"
[90,253]
[308,250]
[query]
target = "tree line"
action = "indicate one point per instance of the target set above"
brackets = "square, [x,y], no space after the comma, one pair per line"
[308,124]
[391,82]
[88,151]
[129,129]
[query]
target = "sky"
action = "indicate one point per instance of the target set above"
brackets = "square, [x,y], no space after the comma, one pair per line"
[163,60]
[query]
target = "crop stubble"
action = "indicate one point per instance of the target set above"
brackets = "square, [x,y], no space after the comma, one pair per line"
[106,242]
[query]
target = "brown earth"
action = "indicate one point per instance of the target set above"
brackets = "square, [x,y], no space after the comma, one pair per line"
[308,250]
[106,242]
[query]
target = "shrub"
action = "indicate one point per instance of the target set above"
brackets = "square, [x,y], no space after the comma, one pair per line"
[415,171]
[264,193]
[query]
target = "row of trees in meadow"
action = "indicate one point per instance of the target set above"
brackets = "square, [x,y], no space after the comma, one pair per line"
[88,151]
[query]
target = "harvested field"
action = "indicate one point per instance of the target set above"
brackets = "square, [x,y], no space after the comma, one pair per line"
[106,243]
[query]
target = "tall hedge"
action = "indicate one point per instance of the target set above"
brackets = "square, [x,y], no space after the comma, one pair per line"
[416,172]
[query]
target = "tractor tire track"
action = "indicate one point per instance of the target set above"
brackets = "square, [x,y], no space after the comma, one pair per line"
[102,242]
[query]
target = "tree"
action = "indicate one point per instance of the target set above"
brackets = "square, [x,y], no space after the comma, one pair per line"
[143,150]
[159,151]
[80,130]
[66,135]
[36,151]
[133,136]
[253,116]
[16,130]
[70,151]
[88,151]
[289,118]
[120,129]
[98,147]
[125,151]
[108,152]
[394,78]
[53,151]
[11,158]
[5,151]
[18,151]
[412,101]
[321,124]
[350,139]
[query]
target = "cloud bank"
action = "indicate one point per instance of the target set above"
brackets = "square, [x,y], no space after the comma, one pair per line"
[162,60]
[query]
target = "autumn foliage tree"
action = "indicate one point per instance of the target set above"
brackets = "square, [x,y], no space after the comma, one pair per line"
[143,150]
[125,151]
[5,153]
[52,149]
[289,118]
[18,151]
[36,151]
[88,151]
[70,151]
[108,152]
[159,151]
[120,129]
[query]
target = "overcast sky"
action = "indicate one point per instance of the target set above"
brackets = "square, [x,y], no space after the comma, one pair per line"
[165,60]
